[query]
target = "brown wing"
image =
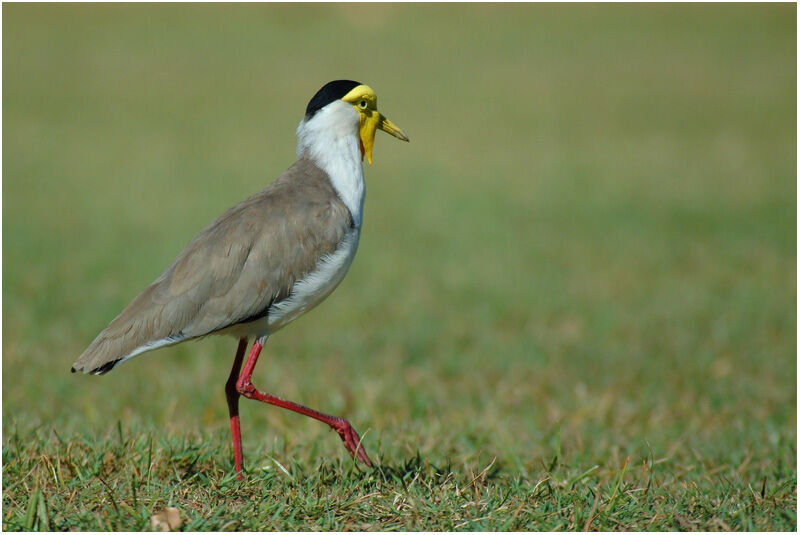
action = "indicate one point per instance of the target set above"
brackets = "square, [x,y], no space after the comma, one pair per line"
[233,270]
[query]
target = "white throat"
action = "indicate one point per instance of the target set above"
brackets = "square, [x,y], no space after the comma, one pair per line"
[330,140]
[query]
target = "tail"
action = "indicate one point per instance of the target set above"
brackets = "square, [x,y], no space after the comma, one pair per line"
[139,328]
[106,352]
[101,356]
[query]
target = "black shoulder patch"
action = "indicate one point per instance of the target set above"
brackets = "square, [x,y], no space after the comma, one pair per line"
[329,92]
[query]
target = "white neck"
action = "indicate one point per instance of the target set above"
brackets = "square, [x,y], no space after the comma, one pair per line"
[330,140]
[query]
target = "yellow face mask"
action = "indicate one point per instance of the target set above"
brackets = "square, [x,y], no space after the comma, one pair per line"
[365,102]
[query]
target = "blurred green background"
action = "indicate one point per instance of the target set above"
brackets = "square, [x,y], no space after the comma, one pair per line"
[593,228]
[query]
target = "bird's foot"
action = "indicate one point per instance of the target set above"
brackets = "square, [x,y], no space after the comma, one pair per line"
[351,440]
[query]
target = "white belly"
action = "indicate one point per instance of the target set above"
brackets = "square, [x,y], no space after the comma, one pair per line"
[306,293]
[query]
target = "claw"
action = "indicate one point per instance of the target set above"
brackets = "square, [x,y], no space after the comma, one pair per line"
[352,442]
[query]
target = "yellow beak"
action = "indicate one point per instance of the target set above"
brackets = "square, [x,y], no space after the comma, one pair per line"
[371,120]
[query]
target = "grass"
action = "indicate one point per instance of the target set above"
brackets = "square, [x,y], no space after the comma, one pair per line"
[573,306]
[117,481]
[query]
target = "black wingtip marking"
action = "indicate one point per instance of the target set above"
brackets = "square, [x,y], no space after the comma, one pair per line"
[105,368]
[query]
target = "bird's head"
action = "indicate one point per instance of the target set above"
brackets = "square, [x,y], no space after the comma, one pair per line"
[363,99]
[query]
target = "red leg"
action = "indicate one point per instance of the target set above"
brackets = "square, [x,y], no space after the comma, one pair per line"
[349,436]
[232,395]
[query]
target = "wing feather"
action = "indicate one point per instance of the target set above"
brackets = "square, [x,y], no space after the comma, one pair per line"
[233,270]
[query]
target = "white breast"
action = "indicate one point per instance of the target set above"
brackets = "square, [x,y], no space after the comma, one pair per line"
[309,292]
[306,293]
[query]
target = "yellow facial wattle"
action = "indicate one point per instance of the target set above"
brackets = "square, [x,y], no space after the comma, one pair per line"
[366,130]
[365,102]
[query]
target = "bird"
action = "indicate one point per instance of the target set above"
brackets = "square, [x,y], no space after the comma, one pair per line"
[265,261]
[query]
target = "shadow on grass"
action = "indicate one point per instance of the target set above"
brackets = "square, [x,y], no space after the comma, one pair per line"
[418,467]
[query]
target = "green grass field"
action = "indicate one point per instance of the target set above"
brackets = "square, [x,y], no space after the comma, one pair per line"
[573,306]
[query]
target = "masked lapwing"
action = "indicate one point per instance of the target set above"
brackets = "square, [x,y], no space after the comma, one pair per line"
[267,260]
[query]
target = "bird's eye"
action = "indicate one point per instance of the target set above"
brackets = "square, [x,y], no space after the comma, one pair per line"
[363,104]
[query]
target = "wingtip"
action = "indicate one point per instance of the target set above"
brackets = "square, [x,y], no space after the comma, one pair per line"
[105,368]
